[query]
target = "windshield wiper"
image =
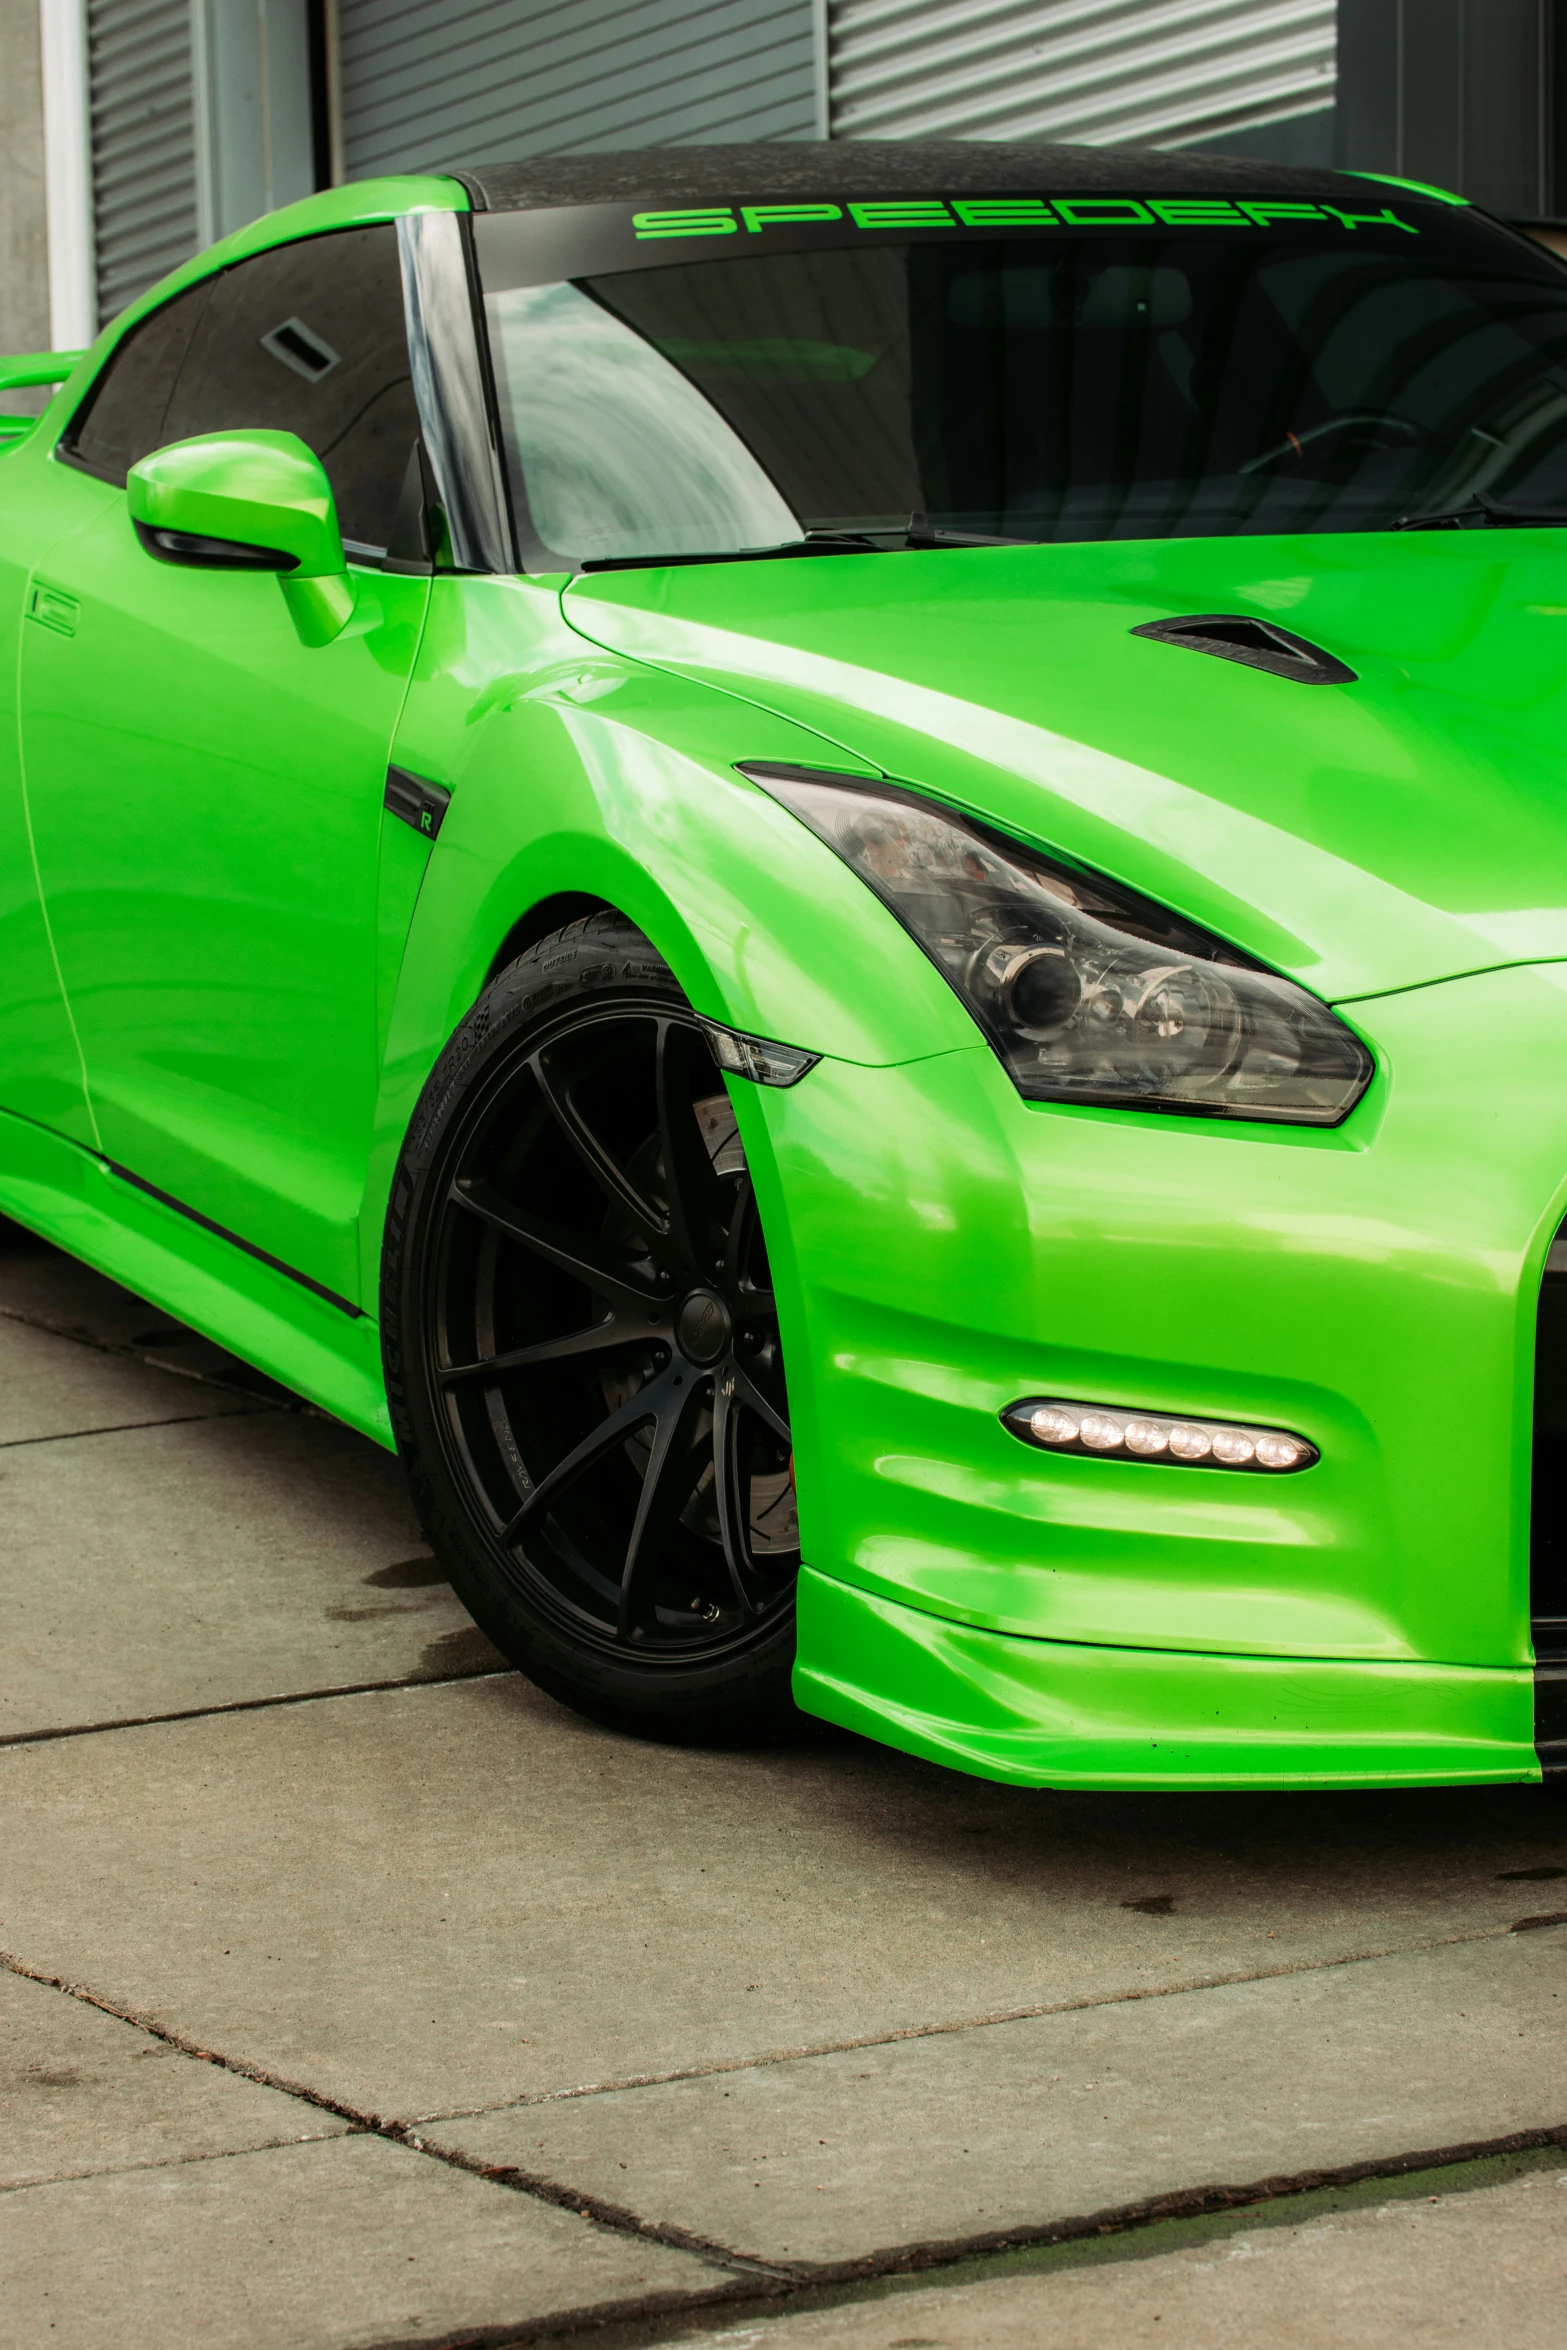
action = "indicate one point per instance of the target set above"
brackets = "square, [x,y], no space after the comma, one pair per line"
[920,532]
[1485,513]
[815,542]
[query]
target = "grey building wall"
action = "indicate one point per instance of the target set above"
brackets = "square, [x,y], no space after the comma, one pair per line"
[142,108]
[1458,92]
[1145,72]
[255,128]
[24,237]
[201,121]
[433,82]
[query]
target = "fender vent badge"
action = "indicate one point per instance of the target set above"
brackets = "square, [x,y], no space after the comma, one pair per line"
[420,804]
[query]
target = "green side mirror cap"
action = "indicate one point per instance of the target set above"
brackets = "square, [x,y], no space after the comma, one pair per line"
[248,501]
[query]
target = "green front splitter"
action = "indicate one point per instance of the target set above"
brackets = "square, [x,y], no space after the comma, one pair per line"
[1050,1713]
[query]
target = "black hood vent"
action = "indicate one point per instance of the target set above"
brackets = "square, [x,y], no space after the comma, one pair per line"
[1258,644]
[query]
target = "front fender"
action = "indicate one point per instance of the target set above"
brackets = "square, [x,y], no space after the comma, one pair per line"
[578,772]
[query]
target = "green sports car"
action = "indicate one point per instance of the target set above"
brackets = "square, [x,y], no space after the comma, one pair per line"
[841,873]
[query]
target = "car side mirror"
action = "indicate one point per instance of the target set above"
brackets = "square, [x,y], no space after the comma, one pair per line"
[248,501]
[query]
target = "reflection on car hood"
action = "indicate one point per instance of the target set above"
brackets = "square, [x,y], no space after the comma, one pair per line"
[1406,827]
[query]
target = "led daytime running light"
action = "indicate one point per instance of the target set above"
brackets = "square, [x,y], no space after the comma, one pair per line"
[1115,1432]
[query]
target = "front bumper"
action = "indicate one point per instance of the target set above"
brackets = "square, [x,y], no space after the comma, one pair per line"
[1548,1519]
[942,1248]
[1049,1713]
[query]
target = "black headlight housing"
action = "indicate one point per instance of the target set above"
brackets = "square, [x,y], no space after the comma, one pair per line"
[1087,991]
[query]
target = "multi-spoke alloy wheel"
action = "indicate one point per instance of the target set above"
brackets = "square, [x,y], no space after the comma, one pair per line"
[583,1351]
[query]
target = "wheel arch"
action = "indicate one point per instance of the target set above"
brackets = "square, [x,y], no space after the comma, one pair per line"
[551,880]
[540,921]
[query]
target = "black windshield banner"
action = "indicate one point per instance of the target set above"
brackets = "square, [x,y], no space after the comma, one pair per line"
[590,240]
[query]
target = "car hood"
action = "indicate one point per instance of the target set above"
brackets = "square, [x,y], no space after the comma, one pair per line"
[1380,834]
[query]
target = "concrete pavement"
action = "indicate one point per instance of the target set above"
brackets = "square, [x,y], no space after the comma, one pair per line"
[1475,2259]
[358,1994]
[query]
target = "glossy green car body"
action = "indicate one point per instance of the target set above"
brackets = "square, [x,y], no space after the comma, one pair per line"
[228,971]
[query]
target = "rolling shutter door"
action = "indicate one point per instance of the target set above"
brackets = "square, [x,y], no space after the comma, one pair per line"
[1151,72]
[429,83]
[143,143]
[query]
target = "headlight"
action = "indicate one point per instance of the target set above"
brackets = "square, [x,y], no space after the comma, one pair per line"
[1088,992]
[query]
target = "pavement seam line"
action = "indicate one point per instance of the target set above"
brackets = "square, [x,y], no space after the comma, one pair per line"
[132,1427]
[611,2216]
[238,2065]
[974,2023]
[255,1705]
[115,2170]
[617,2216]
[773,2281]
[126,1353]
[929,2257]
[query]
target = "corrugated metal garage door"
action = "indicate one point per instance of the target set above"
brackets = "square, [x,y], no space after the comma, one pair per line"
[1162,72]
[143,143]
[434,82]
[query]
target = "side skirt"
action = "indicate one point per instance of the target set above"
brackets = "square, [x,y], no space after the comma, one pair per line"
[238,1299]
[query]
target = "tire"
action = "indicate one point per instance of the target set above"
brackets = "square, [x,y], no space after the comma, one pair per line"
[614,1503]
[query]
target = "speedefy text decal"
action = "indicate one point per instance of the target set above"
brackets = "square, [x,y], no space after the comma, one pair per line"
[884,213]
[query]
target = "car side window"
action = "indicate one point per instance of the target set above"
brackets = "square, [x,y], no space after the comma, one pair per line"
[308,338]
[123,419]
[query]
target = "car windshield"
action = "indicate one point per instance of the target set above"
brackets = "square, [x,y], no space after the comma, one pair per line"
[1122,382]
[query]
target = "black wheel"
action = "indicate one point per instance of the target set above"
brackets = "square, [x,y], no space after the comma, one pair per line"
[582,1348]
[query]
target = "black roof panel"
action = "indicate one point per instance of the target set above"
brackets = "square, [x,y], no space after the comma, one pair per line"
[873,167]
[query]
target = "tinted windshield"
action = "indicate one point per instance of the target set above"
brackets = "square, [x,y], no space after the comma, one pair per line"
[1123,381]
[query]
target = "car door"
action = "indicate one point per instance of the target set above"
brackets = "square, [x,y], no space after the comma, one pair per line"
[205,790]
